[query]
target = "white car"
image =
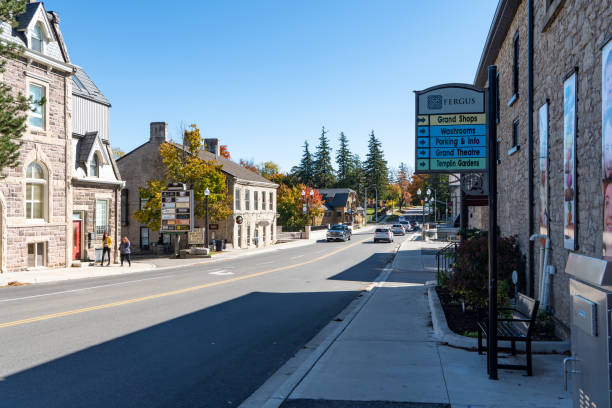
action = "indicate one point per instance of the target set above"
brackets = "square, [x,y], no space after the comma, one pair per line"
[398,229]
[383,234]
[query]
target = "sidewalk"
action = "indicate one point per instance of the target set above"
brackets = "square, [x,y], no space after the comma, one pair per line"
[388,355]
[145,264]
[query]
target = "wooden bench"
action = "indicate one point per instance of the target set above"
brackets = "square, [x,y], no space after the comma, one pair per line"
[518,328]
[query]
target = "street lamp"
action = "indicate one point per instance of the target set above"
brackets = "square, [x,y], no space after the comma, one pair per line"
[308,198]
[207,193]
[422,214]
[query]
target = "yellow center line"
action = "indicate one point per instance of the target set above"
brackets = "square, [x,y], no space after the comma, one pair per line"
[173,292]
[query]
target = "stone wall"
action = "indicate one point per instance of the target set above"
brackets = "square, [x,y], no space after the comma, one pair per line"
[49,148]
[572,40]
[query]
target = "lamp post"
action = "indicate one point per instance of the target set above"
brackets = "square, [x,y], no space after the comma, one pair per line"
[207,193]
[419,192]
[308,197]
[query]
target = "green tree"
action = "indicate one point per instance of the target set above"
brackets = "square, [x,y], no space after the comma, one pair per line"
[323,169]
[183,165]
[118,153]
[305,171]
[376,173]
[344,162]
[268,169]
[12,108]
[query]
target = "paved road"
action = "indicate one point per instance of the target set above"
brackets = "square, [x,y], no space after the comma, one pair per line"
[206,335]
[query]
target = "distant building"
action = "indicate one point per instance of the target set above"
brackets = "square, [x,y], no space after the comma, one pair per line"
[254,197]
[341,206]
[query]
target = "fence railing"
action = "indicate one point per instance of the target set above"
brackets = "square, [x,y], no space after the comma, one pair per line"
[446,257]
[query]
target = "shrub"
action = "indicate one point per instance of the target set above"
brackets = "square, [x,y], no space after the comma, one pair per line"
[469,280]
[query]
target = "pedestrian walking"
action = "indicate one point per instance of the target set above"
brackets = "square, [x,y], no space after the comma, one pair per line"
[124,250]
[106,246]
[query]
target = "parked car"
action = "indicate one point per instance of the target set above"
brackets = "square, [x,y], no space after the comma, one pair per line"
[383,234]
[339,232]
[398,229]
[406,225]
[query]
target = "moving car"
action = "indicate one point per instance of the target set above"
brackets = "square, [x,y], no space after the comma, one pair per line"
[339,232]
[398,229]
[383,234]
[406,225]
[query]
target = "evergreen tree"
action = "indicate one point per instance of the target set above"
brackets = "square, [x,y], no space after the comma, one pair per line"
[344,162]
[376,173]
[305,171]
[12,108]
[357,177]
[323,169]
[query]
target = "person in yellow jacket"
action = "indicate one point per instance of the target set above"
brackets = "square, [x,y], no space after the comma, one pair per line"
[106,247]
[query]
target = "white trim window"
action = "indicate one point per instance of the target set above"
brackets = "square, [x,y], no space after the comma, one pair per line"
[36,186]
[94,166]
[101,217]
[256,200]
[270,203]
[237,200]
[247,201]
[37,254]
[263,201]
[37,109]
[37,39]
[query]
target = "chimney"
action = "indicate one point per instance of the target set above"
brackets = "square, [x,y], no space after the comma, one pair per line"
[159,132]
[212,146]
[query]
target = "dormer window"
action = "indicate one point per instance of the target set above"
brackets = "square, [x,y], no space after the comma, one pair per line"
[94,166]
[36,39]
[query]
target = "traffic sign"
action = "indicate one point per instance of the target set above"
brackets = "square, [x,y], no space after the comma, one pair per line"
[451,129]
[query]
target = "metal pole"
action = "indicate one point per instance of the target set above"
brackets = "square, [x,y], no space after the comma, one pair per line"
[207,225]
[435,206]
[376,204]
[308,208]
[492,144]
[366,205]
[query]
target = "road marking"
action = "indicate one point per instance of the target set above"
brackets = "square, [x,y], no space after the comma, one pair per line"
[81,289]
[296,257]
[173,292]
[222,272]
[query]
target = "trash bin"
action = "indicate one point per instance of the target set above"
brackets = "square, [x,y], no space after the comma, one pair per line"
[219,245]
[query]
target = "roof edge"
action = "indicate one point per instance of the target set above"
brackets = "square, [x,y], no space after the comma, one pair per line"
[504,14]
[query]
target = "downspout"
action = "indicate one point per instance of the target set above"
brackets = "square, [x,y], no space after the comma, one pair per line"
[530,201]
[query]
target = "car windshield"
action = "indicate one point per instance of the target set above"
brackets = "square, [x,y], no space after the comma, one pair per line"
[337,227]
[382,230]
[397,226]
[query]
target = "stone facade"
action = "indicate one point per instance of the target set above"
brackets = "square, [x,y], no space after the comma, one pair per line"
[259,223]
[567,38]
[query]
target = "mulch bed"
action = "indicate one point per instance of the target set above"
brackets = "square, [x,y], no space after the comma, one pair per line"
[457,320]
[462,322]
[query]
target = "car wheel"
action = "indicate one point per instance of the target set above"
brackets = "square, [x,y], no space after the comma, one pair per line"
[375,240]
[328,240]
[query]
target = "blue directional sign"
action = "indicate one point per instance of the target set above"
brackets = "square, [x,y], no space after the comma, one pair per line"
[450,130]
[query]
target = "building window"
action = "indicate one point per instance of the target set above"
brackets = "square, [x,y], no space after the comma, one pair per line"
[37,108]
[94,166]
[237,199]
[36,184]
[270,205]
[338,214]
[36,39]
[78,83]
[255,200]
[144,238]
[497,98]
[515,133]
[263,200]
[101,217]
[143,202]
[125,218]
[515,66]
[256,236]
[248,243]
[247,202]
[36,254]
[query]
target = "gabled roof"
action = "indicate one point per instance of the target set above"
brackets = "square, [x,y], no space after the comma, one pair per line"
[84,146]
[336,197]
[83,86]
[231,168]
[24,20]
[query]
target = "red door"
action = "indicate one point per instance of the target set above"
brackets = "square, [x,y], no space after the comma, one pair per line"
[76,240]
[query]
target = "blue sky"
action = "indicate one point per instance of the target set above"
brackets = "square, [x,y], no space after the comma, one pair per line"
[263,76]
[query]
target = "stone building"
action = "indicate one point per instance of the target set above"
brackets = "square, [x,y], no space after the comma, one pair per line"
[254,198]
[340,206]
[96,182]
[35,196]
[564,42]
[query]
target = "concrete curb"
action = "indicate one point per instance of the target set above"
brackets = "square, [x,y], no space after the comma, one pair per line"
[445,335]
[282,383]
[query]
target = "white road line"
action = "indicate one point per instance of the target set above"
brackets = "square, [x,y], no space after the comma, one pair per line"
[81,289]
[221,272]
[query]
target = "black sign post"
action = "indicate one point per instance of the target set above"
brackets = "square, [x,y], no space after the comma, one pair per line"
[492,135]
